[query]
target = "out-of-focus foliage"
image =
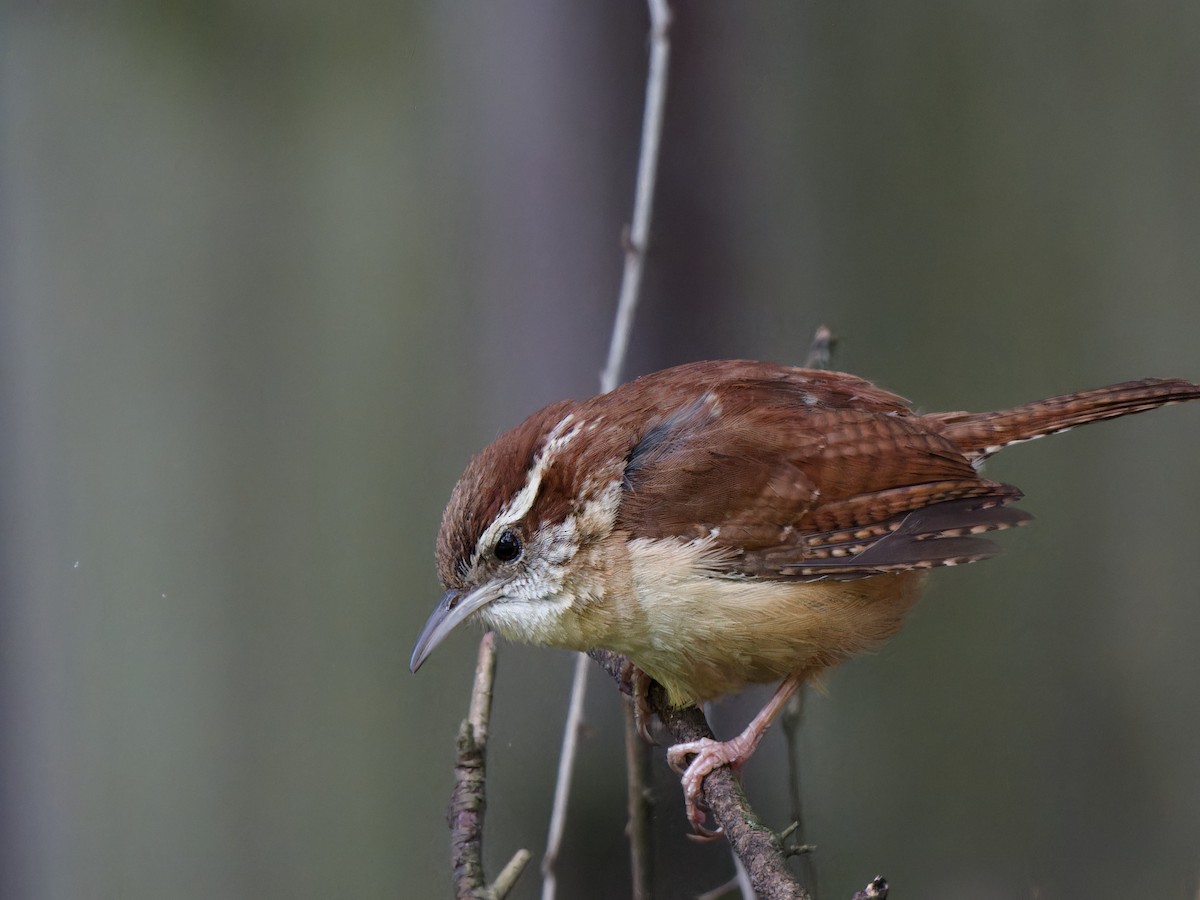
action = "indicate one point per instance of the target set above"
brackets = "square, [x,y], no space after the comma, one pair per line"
[269,273]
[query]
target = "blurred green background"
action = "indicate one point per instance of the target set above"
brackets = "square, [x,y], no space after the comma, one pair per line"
[270,273]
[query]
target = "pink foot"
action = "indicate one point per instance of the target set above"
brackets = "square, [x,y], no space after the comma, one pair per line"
[710,755]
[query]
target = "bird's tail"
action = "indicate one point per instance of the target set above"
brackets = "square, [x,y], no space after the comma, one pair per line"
[979,435]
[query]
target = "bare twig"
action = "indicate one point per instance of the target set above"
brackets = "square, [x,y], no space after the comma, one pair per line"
[793,715]
[631,281]
[468,802]
[508,876]
[479,714]
[739,882]
[820,351]
[643,200]
[820,354]
[720,891]
[638,800]
[742,878]
[876,890]
[760,850]
[562,787]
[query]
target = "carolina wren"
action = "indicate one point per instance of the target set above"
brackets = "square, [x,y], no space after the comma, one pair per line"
[729,523]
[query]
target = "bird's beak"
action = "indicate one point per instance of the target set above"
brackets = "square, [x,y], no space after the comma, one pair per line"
[453,609]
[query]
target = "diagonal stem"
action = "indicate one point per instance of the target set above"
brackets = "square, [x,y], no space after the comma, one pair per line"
[631,282]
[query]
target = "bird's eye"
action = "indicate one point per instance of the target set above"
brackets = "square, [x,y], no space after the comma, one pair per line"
[508,546]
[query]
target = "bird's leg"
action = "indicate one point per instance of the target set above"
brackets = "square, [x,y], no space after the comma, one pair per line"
[639,683]
[712,754]
[642,713]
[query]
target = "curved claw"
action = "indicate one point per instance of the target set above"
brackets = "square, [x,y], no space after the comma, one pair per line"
[696,810]
[709,755]
[642,713]
[638,684]
[702,834]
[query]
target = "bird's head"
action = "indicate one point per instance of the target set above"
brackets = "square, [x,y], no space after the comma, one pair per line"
[509,549]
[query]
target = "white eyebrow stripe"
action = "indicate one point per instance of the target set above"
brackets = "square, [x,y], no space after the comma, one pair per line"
[559,437]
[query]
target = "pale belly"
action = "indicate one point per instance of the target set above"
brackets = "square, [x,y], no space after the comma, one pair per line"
[704,636]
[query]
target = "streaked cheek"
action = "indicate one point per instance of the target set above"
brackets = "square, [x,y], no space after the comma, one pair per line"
[556,546]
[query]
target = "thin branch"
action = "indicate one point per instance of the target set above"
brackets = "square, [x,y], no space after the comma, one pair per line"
[793,715]
[468,801]
[820,355]
[760,850]
[479,714]
[643,199]
[562,786]
[638,801]
[733,884]
[740,882]
[876,890]
[820,351]
[743,878]
[631,283]
[508,876]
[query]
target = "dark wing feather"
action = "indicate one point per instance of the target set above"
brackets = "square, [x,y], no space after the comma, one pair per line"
[944,534]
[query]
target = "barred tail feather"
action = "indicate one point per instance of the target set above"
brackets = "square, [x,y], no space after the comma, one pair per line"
[979,435]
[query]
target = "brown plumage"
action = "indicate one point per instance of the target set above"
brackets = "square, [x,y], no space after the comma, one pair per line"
[794,467]
[726,523]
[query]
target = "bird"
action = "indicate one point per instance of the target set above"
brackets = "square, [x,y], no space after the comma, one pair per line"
[726,523]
